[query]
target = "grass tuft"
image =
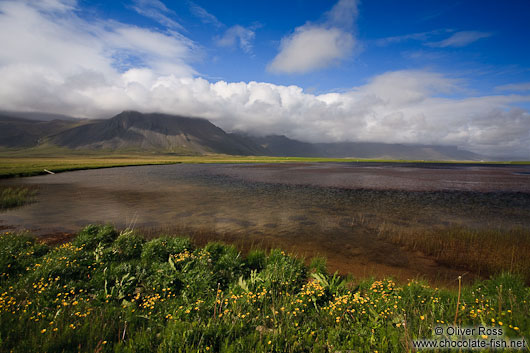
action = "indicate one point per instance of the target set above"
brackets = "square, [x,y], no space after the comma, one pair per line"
[11,197]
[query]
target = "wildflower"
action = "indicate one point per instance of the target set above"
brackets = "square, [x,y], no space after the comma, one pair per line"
[422,317]
[43,330]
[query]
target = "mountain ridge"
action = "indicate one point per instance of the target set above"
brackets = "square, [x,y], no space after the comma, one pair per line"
[132,130]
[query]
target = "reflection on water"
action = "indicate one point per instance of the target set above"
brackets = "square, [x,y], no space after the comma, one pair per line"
[332,209]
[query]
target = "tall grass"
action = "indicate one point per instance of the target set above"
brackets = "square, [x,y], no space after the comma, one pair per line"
[485,252]
[15,196]
[117,292]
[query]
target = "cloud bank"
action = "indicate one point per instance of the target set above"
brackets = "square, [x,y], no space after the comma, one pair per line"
[61,63]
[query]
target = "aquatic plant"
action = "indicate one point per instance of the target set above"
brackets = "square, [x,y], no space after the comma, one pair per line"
[11,197]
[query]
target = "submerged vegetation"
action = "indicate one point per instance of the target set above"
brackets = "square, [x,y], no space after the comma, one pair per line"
[110,291]
[11,197]
[484,252]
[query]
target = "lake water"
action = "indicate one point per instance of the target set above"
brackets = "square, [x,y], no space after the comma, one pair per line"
[331,209]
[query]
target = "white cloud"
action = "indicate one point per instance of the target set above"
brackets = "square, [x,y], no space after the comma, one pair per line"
[518,87]
[58,42]
[343,14]
[461,39]
[156,10]
[237,35]
[204,15]
[313,46]
[62,64]
[420,36]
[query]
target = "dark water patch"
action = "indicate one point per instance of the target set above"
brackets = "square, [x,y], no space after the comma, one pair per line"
[297,218]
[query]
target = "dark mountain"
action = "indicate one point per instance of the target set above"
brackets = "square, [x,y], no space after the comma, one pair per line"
[279,145]
[157,132]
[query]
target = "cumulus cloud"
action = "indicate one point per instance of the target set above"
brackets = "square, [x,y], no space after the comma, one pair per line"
[62,64]
[461,39]
[315,46]
[311,48]
[343,14]
[237,35]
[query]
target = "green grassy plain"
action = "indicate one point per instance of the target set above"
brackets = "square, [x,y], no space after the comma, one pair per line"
[33,161]
[116,292]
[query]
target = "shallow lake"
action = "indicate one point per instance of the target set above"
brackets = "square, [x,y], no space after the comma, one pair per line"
[331,209]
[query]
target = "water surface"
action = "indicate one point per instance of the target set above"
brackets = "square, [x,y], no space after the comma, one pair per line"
[333,209]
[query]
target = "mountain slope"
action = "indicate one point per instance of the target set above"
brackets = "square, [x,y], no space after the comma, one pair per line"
[157,132]
[19,132]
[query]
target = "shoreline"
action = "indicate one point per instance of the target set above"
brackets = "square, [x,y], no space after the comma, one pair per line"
[16,164]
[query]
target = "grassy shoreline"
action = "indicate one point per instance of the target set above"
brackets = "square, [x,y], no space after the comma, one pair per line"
[31,162]
[110,291]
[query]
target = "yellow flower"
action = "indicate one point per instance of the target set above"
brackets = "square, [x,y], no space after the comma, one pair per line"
[43,330]
[422,317]
[104,342]
[269,342]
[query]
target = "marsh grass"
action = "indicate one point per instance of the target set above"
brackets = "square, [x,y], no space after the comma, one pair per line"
[33,161]
[11,197]
[485,252]
[107,291]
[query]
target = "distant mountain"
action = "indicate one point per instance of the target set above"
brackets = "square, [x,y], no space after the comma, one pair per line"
[18,132]
[134,131]
[284,146]
[37,116]
[156,132]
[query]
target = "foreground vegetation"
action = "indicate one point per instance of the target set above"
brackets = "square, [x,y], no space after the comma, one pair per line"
[34,161]
[110,291]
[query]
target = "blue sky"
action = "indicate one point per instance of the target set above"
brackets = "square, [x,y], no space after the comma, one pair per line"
[429,72]
[389,35]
